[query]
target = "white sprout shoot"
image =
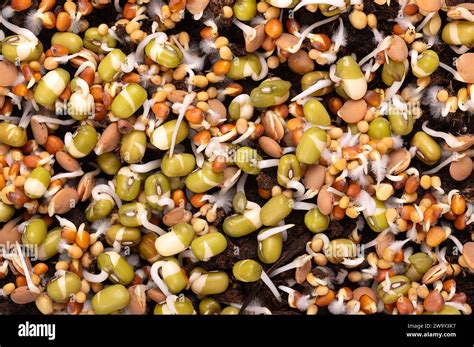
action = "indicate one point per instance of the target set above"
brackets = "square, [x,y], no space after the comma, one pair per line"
[143,218]
[20,31]
[144,168]
[45,119]
[453,157]
[188,100]
[249,32]
[303,206]
[340,37]
[95,278]
[29,281]
[297,186]
[229,183]
[268,282]
[105,189]
[450,140]
[351,263]
[246,134]
[387,284]
[314,88]
[383,45]
[304,34]
[63,175]
[297,262]
[425,21]
[154,272]
[273,231]
[455,73]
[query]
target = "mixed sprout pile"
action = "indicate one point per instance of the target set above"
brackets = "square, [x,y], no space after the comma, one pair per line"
[131,151]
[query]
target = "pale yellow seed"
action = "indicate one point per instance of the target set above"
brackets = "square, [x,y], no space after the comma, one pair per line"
[364,139]
[227,11]
[169,23]
[335,133]
[8,288]
[169,87]
[321,290]
[62,265]
[35,279]
[213,78]
[131,27]
[221,41]
[425,182]
[179,73]
[80,297]
[44,304]
[85,286]
[262,6]
[225,53]
[371,21]
[333,170]
[202,96]
[353,164]
[340,164]
[312,310]
[137,36]
[320,259]
[442,95]
[391,214]
[344,202]
[159,96]
[273,62]
[410,197]
[436,181]
[363,126]
[388,141]
[317,244]
[383,264]
[183,38]
[203,106]
[354,276]
[103,29]
[212,92]
[156,80]
[358,19]
[384,191]
[50,63]
[419,46]
[425,203]
[200,81]
[96,248]
[271,13]
[352,212]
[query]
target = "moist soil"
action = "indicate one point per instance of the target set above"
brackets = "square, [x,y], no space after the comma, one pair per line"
[359,43]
